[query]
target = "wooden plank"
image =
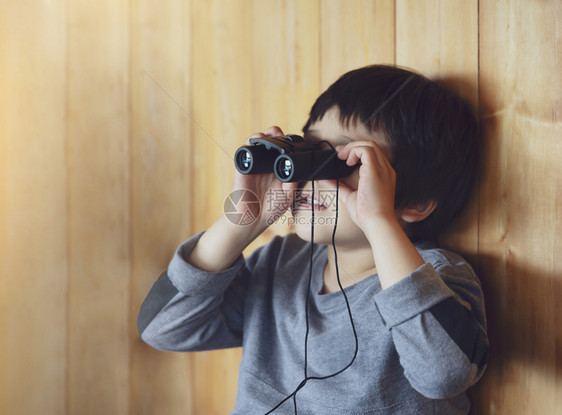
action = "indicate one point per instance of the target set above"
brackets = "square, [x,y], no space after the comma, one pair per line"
[33,269]
[439,38]
[98,203]
[285,63]
[221,93]
[521,219]
[161,195]
[354,34]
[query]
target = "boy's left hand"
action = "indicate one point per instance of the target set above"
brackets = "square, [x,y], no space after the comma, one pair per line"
[374,196]
[371,207]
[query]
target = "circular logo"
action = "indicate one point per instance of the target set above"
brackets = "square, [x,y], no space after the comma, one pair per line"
[242,207]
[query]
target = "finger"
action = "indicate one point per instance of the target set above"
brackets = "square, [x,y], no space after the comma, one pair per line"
[345,150]
[274,131]
[378,150]
[367,153]
[370,162]
[354,156]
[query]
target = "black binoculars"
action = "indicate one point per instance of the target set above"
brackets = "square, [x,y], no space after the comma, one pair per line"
[291,158]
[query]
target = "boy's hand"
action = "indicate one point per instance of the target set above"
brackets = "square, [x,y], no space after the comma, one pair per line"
[275,197]
[224,241]
[374,196]
[371,207]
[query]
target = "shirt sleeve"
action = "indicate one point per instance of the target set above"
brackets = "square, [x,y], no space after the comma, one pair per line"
[437,320]
[188,309]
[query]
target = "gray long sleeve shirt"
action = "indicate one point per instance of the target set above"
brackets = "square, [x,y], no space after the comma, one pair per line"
[422,341]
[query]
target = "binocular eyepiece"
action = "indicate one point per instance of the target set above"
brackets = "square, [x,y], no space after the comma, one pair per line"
[291,158]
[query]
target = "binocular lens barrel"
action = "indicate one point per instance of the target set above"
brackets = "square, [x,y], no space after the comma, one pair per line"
[310,165]
[254,159]
[284,168]
[245,159]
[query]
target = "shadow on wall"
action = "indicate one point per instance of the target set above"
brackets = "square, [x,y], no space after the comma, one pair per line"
[522,291]
[523,328]
[517,262]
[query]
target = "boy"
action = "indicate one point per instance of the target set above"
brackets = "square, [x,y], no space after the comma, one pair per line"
[417,339]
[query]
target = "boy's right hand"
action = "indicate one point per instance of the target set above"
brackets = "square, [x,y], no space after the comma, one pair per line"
[224,241]
[274,196]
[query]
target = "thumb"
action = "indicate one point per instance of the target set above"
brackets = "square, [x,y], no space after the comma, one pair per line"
[274,131]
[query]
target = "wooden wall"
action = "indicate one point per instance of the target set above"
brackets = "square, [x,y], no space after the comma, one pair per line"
[118,121]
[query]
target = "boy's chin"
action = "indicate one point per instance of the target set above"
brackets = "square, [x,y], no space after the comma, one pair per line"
[322,233]
[350,238]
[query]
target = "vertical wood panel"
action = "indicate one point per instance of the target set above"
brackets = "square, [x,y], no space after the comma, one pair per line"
[221,90]
[439,37]
[354,34]
[160,187]
[33,272]
[222,110]
[521,219]
[98,166]
[285,63]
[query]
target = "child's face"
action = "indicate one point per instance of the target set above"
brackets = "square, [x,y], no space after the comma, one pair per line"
[348,234]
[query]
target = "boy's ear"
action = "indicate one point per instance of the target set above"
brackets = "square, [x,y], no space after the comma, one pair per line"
[417,212]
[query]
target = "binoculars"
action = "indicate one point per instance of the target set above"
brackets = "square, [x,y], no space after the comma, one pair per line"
[291,158]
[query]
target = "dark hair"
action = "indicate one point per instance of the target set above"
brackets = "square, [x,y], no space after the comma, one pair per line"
[433,135]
